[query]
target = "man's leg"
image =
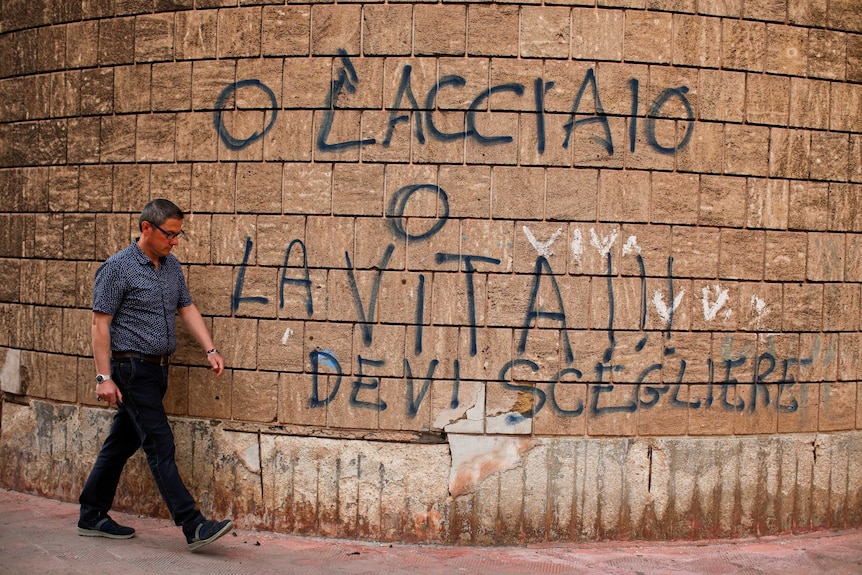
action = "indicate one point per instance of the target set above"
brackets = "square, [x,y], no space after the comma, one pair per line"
[142,399]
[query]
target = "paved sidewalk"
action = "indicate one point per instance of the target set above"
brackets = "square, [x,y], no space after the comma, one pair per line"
[38,535]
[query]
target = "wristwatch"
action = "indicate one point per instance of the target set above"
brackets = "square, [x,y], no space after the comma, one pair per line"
[100,378]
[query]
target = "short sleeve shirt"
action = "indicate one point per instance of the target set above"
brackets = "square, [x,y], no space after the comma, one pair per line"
[143,300]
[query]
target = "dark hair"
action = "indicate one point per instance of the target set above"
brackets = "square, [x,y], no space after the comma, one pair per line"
[159,210]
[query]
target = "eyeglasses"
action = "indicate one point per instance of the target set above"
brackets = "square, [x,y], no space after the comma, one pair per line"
[169,235]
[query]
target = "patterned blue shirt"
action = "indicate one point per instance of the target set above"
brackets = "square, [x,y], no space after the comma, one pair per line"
[142,300]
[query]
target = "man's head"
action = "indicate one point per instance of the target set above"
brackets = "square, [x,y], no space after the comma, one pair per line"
[159,210]
[161,227]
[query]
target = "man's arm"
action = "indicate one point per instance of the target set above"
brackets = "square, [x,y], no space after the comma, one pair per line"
[106,390]
[195,324]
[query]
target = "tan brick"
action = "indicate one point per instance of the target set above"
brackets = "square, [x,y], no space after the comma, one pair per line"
[845,210]
[802,307]
[116,234]
[177,397]
[767,99]
[597,34]
[770,10]
[361,412]
[705,150]
[517,192]
[741,254]
[358,190]
[258,188]
[715,305]
[212,288]
[494,348]
[422,251]
[826,254]
[468,189]
[849,365]
[525,253]
[399,413]
[722,201]
[545,31]
[62,189]
[829,156]
[213,187]
[209,79]
[508,300]
[155,138]
[810,202]
[83,140]
[746,150]
[196,139]
[335,28]
[786,254]
[196,34]
[439,29]
[239,353]
[855,164]
[827,51]
[253,393]
[767,204]
[624,188]
[65,387]
[433,342]
[76,332]
[807,13]
[786,50]
[399,297]
[294,392]
[846,107]
[290,138]
[491,125]
[743,45]
[285,30]
[721,95]
[818,353]
[564,412]
[659,294]
[853,259]
[674,198]
[307,188]
[369,83]
[210,396]
[82,44]
[838,405]
[154,37]
[504,406]
[542,348]
[345,129]
[34,375]
[854,58]
[114,47]
[492,30]
[172,86]
[387,30]
[760,414]
[117,139]
[628,305]
[695,252]
[229,236]
[648,37]
[837,300]
[612,409]
[450,303]
[132,88]
[259,286]
[239,32]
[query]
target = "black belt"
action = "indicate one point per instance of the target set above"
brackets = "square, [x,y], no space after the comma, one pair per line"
[159,359]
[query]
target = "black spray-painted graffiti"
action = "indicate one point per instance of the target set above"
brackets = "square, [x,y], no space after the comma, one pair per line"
[347,81]
[727,379]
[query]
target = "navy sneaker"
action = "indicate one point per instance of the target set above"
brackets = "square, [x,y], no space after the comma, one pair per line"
[206,532]
[105,527]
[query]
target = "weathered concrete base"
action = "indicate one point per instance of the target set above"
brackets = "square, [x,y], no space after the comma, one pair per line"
[473,490]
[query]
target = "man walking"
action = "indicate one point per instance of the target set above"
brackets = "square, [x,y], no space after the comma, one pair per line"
[137,294]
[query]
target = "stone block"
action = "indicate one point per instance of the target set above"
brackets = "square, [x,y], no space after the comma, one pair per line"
[721,95]
[786,50]
[258,188]
[829,159]
[493,30]
[743,45]
[231,235]
[83,140]
[210,397]
[741,254]
[545,32]
[172,86]
[767,205]
[810,201]
[176,399]
[239,32]
[826,254]
[239,353]
[648,37]
[746,150]
[285,30]
[116,45]
[154,37]
[82,44]
[294,392]
[335,28]
[155,138]
[307,188]
[290,138]
[802,307]
[339,234]
[695,252]
[117,139]
[767,99]
[827,54]
[255,396]
[439,29]
[196,34]
[358,190]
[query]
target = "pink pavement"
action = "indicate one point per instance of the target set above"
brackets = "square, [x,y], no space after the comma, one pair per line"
[38,535]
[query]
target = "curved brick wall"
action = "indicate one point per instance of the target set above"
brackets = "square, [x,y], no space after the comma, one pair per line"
[482,272]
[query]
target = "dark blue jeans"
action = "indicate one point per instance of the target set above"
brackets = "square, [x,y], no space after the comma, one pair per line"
[140,421]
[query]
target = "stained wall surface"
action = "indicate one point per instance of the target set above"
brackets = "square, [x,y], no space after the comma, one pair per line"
[481,272]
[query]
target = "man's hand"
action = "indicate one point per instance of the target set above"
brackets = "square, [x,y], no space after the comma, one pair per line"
[108,391]
[216,362]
